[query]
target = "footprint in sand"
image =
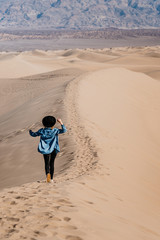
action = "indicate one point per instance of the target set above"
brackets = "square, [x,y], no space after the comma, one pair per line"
[14,225]
[69,227]
[21,198]
[13,203]
[89,202]
[45,226]
[12,192]
[70,237]
[55,218]
[9,232]
[63,201]
[67,219]
[13,219]
[41,234]
[82,183]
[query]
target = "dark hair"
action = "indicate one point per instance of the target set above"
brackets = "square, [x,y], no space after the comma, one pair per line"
[49,121]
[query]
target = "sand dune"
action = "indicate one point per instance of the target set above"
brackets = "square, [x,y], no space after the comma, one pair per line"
[71,52]
[91,56]
[28,64]
[154,74]
[106,184]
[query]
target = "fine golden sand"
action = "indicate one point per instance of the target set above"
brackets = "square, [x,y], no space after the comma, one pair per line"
[107,179]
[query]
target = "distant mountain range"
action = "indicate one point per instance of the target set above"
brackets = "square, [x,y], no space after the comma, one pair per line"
[79,14]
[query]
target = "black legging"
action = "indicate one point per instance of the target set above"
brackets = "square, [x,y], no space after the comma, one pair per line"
[49,162]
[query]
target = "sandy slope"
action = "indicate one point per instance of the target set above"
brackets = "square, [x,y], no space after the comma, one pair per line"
[122,114]
[107,175]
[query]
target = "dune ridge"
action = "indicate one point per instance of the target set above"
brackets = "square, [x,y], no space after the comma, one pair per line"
[107,174]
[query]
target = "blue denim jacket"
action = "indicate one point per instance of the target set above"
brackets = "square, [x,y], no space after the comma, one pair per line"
[48,139]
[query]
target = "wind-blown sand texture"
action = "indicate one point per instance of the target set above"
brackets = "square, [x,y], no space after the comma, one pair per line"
[107,181]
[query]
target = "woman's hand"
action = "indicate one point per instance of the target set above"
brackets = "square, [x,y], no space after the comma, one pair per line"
[60,121]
